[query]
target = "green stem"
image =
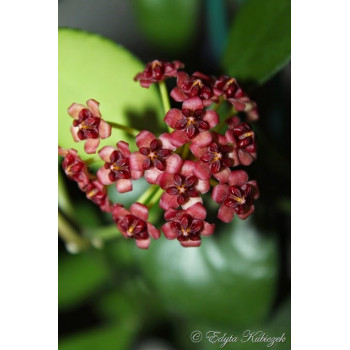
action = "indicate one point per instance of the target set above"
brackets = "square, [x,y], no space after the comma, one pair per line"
[70,236]
[165,99]
[155,198]
[218,105]
[127,129]
[145,197]
[103,233]
[186,151]
[213,182]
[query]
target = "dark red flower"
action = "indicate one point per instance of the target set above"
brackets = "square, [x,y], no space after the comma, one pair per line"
[133,224]
[198,84]
[192,123]
[236,197]
[154,156]
[228,88]
[242,137]
[88,125]
[182,188]
[187,226]
[215,159]
[157,71]
[116,168]
[74,166]
[97,192]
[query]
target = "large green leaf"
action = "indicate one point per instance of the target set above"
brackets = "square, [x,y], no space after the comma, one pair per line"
[230,278]
[116,337]
[79,277]
[90,66]
[259,40]
[168,24]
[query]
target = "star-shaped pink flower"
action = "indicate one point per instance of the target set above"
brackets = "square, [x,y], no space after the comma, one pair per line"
[88,125]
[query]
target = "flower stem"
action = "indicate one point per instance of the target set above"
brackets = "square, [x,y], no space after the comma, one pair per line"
[145,197]
[127,129]
[155,198]
[74,242]
[165,99]
[185,151]
[213,182]
[103,233]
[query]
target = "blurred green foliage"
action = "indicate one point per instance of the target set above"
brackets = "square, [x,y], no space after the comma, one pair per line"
[167,24]
[259,40]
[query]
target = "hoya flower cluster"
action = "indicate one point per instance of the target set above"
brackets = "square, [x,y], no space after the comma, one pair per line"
[194,157]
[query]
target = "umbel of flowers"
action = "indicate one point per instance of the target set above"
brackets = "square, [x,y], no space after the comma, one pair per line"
[201,152]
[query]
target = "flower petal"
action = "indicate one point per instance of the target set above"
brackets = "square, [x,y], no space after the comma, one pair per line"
[105,153]
[124,148]
[178,95]
[165,179]
[248,213]
[190,243]
[172,117]
[193,103]
[226,214]
[202,171]
[151,175]
[170,214]
[74,132]
[154,232]
[191,201]
[123,185]
[94,107]
[197,211]
[168,201]
[166,141]
[75,109]
[168,232]
[220,193]
[91,145]
[246,158]
[187,168]
[238,178]
[139,210]
[179,138]
[212,118]
[135,161]
[143,243]
[223,175]
[102,175]
[203,139]
[144,138]
[198,151]
[203,186]
[135,174]
[173,164]
[256,188]
[208,229]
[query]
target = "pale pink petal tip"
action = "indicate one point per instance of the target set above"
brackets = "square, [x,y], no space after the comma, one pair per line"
[143,243]
[94,107]
[74,110]
[104,129]
[139,210]
[188,244]
[123,185]
[168,232]
[91,145]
